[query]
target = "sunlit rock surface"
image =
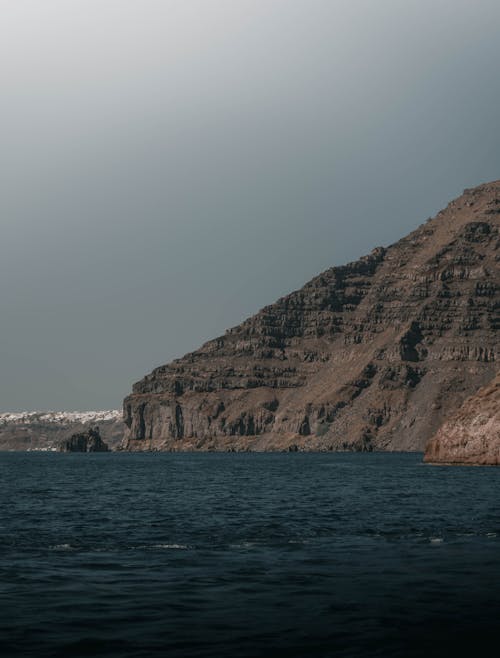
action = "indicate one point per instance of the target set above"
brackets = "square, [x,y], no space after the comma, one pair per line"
[472,435]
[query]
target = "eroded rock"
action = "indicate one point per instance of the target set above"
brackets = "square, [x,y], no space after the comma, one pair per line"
[472,434]
[88,441]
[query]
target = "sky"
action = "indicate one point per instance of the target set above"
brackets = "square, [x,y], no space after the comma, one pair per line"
[169,167]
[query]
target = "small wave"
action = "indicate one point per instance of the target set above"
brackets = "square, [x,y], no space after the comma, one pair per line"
[152,547]
[62,547]
[436,540]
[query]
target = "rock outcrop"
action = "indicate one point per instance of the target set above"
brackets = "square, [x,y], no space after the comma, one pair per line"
[89,441]
[472,435]
[373,355]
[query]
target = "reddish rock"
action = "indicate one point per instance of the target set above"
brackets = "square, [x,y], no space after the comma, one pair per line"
[373,355]
[472,435]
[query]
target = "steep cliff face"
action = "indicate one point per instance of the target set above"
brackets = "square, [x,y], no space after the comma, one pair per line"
[472,435]
[369,356]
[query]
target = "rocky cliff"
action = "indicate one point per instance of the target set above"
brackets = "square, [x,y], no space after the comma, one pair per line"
[472,435]
[373,355]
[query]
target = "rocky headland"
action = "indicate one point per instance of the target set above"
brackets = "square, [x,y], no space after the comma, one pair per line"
[373,355]
[472,434]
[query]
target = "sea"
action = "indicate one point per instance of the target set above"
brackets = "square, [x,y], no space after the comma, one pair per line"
[234,555]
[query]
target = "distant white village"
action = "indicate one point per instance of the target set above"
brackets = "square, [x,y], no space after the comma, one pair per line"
[59,417]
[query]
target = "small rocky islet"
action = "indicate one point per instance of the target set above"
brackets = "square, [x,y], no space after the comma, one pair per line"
[88,441]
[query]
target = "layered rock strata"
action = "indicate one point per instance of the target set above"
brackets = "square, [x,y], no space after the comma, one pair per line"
[472,435]
[373,355]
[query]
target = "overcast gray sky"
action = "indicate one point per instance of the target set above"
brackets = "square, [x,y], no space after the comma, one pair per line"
[168,167]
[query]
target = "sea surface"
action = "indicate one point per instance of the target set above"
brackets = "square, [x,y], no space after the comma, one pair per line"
[247,555]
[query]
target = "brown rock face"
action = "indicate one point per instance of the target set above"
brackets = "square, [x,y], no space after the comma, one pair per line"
[369,356]
[472,435]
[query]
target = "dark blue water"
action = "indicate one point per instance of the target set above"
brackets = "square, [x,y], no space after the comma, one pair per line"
[249,555]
